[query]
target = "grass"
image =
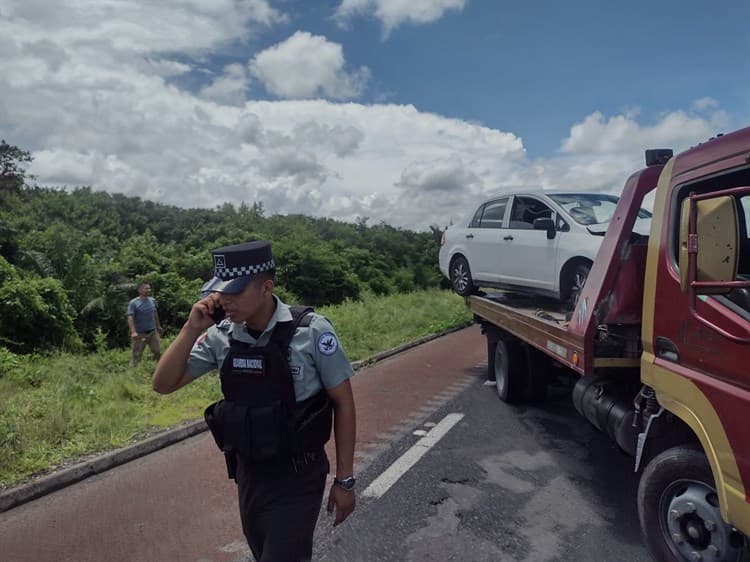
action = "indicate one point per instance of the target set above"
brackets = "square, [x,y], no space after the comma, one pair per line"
[57,408]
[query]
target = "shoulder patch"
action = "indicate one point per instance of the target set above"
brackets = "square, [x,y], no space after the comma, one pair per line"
[327,343]
[200,339]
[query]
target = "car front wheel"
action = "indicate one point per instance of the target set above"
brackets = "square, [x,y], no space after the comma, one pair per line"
[574,284]
[461,280]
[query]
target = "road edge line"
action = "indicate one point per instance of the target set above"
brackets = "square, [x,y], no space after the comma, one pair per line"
[401,465]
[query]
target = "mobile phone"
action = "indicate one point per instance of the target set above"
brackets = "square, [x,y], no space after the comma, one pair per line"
[218,314]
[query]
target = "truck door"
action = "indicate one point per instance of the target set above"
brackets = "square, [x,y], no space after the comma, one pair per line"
[697,360]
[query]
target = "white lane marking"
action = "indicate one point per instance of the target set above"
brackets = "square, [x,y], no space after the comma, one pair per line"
[382,483]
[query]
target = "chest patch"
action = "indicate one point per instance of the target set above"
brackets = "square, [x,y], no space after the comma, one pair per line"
[248,365]
[327,343]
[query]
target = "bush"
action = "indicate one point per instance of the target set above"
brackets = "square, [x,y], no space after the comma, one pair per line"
[35,314]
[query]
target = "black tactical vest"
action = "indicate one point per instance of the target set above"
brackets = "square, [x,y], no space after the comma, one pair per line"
[259,417]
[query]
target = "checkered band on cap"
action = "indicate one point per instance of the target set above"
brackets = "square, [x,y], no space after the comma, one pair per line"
[242,260]
[226,273]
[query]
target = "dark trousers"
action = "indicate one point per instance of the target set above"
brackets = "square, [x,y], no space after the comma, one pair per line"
[279,508]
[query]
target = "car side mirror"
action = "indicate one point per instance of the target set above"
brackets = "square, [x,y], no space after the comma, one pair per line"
[546,224]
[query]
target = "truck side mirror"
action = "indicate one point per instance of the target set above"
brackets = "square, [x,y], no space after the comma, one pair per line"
[715,242]
[546,224]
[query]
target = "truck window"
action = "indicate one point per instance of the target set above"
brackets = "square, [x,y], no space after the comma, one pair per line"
[738,300]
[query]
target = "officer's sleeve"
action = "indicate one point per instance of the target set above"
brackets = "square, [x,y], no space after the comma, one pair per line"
[131,308]
[330,359]
[202,358]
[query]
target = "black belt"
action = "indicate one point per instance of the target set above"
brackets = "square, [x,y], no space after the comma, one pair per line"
[301,460]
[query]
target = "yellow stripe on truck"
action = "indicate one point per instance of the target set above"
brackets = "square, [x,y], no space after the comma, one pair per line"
[682,397]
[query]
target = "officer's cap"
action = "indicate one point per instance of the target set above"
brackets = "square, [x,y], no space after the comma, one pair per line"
[235,266]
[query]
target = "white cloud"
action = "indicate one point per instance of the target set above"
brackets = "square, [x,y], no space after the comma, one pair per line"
[705,103]
[96,109]
[230,87]
[306,66]
[622,133]
[393,13]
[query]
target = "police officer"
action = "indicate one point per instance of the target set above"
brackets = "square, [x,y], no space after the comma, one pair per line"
[284,377]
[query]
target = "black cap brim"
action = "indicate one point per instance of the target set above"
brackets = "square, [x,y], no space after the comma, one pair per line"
[229,287]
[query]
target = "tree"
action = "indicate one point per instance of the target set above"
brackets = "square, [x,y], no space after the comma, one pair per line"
[12,171]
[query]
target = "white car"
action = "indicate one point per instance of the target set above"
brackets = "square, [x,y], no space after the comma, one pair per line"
[543,242]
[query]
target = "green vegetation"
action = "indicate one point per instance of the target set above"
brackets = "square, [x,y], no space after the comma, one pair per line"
[61,406]
[70,260]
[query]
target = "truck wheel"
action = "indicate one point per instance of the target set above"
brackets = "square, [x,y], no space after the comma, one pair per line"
[679,510]
[461,280]
[510,371]
[539,366]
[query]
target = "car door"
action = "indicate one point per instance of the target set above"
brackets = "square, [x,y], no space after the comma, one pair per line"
[485,244]
[530,258]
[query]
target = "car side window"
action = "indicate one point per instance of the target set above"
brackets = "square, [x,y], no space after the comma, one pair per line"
[477,217]
[526,210]
[494,213]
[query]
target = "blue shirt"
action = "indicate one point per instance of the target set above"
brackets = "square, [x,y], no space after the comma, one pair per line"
[143,312]
[317,359]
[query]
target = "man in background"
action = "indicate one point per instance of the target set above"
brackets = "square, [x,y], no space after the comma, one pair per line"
[143,321]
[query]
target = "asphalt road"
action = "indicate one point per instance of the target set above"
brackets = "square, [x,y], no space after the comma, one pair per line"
[532,484]
[503,484]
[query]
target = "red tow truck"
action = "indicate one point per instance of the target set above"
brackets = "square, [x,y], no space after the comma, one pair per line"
[659,345]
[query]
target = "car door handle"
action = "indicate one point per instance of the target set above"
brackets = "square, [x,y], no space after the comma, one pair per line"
[509,237]
[469,236]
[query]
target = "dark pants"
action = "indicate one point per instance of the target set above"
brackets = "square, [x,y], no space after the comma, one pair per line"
[279,508]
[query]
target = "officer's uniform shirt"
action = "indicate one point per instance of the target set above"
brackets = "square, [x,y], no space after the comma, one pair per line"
[317,359]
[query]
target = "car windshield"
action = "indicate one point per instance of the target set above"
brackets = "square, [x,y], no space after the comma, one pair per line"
[591,208]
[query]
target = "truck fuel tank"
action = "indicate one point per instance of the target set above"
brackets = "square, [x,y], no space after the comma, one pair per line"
[607,403]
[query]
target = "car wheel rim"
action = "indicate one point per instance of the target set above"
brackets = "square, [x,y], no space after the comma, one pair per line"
[692,526]
[579,280]
[460,277]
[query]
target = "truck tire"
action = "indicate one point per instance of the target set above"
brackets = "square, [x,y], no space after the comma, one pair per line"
[511,371]
[460,275]
[538,365]
[679,510]
[492,340]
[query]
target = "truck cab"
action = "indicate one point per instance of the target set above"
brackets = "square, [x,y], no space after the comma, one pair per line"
[659,344]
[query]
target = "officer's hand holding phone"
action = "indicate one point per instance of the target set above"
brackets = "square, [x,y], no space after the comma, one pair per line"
[206,312]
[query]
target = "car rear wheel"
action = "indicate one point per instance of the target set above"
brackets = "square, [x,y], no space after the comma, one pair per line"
[461,280]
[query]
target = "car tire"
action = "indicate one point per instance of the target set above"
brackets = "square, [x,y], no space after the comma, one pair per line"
[460,276]
[679,510]
[574,283]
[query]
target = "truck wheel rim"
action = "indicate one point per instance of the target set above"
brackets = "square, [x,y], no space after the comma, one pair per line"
[692,525]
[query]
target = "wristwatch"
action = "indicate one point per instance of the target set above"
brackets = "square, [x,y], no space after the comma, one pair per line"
[346,483]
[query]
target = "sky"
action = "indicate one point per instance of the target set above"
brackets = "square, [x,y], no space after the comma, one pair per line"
[408,112]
